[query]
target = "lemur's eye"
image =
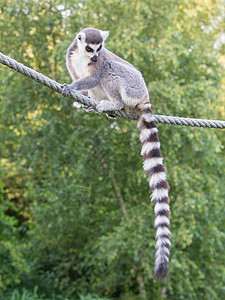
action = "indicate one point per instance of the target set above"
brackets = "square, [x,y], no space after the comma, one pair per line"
[89,49]
[99,48]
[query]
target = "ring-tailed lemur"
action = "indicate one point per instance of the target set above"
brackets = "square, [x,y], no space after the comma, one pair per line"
[116,84]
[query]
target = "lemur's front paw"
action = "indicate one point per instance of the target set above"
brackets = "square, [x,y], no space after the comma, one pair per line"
[102,106]
[65,89]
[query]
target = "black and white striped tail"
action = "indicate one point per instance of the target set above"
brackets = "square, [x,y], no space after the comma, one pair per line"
[153,166]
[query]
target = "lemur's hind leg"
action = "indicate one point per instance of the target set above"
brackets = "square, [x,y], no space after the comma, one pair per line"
[112,91]
[105,105]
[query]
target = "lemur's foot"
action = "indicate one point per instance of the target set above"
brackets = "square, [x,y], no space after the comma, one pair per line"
[111,116]
[65,89]
[103,106]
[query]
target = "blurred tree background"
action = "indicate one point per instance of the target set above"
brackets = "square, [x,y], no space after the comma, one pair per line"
[76,221]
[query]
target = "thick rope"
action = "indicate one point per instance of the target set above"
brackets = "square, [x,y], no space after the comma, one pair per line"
[52,84]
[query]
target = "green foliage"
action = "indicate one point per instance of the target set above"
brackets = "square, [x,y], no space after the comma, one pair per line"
[12,262]
[26,295]
[68,178]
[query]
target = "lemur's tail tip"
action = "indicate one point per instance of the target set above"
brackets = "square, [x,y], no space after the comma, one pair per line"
[161,271]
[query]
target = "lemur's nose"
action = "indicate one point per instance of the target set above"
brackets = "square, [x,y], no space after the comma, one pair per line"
[94,58]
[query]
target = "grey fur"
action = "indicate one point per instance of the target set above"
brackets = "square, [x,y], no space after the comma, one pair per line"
[93,36]
[70,50]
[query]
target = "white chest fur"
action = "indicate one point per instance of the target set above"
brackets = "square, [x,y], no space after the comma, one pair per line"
[97,93]
[80,64]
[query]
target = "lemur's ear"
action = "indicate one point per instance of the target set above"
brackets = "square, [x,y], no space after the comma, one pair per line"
[104,34]
[81,36]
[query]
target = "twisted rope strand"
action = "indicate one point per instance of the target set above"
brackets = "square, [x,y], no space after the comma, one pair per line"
[52,84]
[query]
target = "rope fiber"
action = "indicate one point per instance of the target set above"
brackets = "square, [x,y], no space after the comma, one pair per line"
[91,103]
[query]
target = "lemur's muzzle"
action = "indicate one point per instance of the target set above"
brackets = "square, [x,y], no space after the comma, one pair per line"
[94,58]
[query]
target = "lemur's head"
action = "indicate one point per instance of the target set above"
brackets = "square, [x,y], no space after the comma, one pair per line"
[90,42]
